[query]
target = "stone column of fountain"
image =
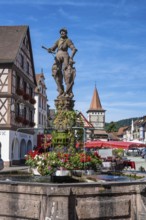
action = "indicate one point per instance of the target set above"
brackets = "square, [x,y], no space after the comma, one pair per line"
[64,73]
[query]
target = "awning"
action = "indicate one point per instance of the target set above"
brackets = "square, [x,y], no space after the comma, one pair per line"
[94,144]
[112,144]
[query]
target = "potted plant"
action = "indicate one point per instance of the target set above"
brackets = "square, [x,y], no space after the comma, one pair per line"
[118,152]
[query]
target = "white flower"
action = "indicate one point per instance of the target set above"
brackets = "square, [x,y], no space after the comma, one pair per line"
[39,162]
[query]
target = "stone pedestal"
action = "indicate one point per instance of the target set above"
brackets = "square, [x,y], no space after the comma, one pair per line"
[64,103]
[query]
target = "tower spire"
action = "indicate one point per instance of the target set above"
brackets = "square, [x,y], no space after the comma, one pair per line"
[95,103]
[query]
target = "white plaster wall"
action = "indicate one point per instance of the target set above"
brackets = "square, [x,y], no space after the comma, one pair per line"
[4,139]
[24,136]
[4,79]
[7,138]
[36,116]
[5,70]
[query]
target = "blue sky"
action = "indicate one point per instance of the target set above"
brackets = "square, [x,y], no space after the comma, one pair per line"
[110,36]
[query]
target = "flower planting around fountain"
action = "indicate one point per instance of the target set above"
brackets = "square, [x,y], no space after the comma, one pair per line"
[62,157]
[50,163]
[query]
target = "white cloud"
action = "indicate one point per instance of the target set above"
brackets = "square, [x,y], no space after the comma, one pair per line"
[68,16]
[32,18]
[80,3]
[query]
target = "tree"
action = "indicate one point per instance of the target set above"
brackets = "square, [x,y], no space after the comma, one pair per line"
[111,127]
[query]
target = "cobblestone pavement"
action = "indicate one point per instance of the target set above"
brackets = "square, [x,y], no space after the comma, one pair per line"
[15,168]
[139,162]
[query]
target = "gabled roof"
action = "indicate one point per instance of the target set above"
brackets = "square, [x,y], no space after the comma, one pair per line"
[39,78]
[95,103]
[11,38]
[140,122]
[122,130]
[86,123]
[113,136]
[100,132]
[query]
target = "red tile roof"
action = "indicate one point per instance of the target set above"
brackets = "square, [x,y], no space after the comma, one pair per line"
[87,124]
[122,130]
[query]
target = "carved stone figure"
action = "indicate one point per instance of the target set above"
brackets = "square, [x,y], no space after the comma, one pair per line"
[63,65]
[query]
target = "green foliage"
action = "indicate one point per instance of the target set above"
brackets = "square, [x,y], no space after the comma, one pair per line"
[141,169]
[118,152]
[118,124]
[111,127]
[65,135]
[64,120]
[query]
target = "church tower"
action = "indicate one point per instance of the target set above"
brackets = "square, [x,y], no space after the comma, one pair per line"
[96,116]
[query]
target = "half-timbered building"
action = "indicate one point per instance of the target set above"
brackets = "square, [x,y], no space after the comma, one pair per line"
[17,85]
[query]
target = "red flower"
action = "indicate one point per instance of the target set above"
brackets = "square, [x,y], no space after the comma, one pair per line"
[96,154]
[32,154]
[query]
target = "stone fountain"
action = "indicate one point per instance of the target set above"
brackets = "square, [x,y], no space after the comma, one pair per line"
[29,200]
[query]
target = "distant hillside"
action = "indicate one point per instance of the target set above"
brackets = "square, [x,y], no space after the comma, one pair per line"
[125,122]
[114,126]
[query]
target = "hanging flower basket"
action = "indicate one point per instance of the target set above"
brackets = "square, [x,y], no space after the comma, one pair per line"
[19,91]
[32,101]
[31,124]
[19,119]
[26,96]
[25,121]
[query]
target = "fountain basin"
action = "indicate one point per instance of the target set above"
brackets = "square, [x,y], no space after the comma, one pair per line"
[70,201]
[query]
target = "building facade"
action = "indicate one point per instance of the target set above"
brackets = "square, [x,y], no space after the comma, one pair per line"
[137,131]
[41,107]
[17,84]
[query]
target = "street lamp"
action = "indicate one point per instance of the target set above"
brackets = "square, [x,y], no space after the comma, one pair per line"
[84,140]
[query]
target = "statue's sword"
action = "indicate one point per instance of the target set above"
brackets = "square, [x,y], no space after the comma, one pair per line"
[47,50]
